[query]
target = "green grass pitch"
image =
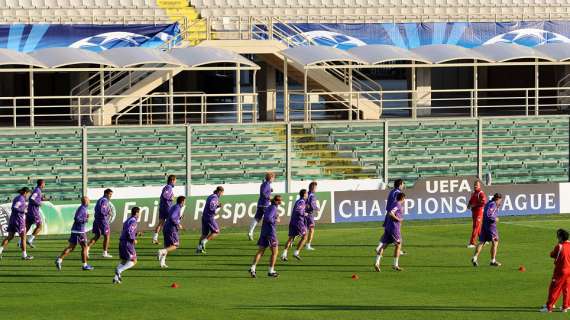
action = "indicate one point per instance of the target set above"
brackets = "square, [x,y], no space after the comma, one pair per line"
[438,281]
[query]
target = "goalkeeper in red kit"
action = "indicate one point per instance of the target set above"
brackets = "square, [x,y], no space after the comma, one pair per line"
[476,204]
[560,283]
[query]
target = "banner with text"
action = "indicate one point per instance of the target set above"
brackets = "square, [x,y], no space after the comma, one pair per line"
[433,198]
[444,197]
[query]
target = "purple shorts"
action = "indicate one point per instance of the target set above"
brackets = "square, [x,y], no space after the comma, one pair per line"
[101,228]
[127,251]
[162,214]
[267,241]
[390,237]
[33,219]
[78,238]
[489,234]
[17,226]
[170,237]
[259,213]
[297,230]
[209,226]
[310,221]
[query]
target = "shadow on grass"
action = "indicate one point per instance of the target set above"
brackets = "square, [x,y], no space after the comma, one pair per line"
[319,307]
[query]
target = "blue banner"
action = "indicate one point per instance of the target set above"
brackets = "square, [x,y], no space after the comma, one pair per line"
[413,35]
[437,198]
[30,37]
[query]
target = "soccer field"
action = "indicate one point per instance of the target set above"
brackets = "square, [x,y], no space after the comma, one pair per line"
[438,281]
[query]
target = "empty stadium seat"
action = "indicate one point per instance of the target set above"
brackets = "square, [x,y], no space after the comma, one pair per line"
[515,150]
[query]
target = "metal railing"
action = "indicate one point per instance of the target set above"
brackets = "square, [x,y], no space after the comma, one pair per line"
[430,103]
[198,107]
[156,108]
[531,148]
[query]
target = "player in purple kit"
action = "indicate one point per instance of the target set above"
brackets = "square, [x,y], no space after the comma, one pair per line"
[210,228]
[392,232]
[78,236]
[17,223]
[165,202]
[297,227]
[101,223]
[34,217]
[170,231]
[268,238]
[489,232]
[312,209]
[127,242]
[399,185]
[263,202]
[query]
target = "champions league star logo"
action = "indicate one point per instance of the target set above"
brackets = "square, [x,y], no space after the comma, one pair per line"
[327,38]
[528,37]
[105,41]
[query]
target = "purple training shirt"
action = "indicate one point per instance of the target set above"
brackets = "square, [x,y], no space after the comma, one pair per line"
[80,219]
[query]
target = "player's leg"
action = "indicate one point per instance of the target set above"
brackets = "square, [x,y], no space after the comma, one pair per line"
[554,291]
[70,247]
[475,258]
[59,259]
[94,240]
[379,252]
[311,234]
[126,265]
[300,246]
[256,258]
[474,231]
[157,230]
[82,240]
[106,241]
[5,242]
[566,294]
[494,248]
[117,278]
[273,259]
[286,248]
[252,226]
[24,246]
[397,252]
[35,233]
[212,232]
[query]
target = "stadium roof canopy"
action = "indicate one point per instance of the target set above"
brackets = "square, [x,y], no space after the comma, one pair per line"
[311,55]
[61,57]
[128,57]
[370,55]
[11,57]
[502,52]
[559,51]
[199,56]
[442,53]
[380,53]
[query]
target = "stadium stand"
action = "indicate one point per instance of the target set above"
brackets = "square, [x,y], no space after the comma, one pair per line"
[91,11]
[514,150]
[406,9]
